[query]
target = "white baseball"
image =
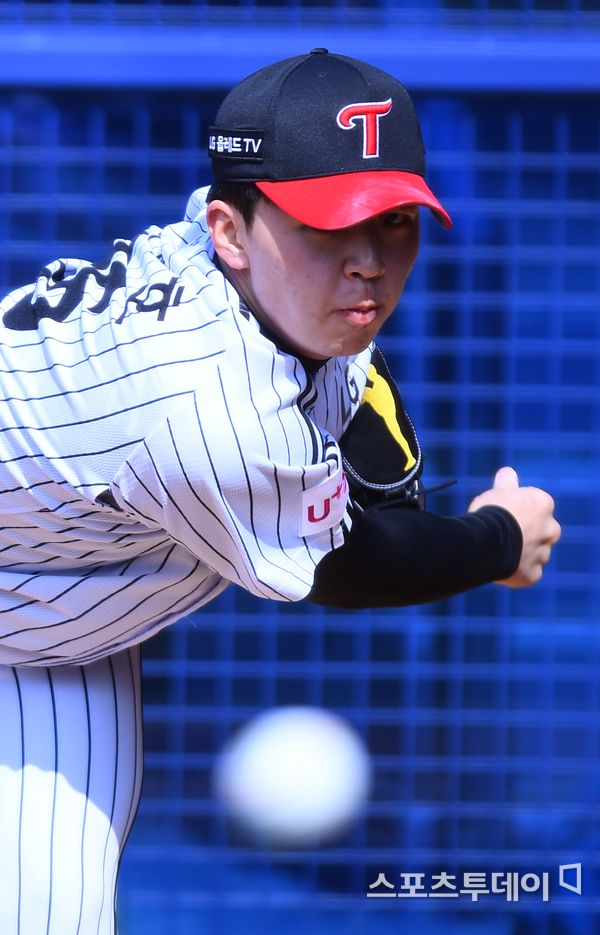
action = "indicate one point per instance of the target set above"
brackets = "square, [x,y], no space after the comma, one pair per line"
[294,776]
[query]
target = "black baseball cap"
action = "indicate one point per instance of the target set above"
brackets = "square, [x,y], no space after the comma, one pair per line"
[329,139]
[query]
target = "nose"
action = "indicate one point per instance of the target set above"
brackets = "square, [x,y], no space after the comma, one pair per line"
[363,255]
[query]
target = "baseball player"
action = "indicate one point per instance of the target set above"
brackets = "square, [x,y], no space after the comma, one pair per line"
[208,406]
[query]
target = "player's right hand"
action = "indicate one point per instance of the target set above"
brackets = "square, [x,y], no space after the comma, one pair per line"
[533,509]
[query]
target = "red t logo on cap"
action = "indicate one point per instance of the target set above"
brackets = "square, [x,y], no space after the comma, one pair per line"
[369,113]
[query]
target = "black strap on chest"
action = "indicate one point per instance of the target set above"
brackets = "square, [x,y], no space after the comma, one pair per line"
[381,453]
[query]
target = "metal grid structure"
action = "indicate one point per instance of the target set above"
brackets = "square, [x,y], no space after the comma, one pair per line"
[481,712]
[570,14]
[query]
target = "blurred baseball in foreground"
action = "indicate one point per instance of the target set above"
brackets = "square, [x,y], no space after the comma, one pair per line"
[294,777]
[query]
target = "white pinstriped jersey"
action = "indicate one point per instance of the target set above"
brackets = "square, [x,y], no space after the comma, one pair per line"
[154,446]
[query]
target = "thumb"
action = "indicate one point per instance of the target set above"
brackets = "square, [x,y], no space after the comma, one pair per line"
[506,479]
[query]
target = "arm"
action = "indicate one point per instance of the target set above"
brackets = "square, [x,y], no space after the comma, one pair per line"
[256,495]
[394,555]
[398,556]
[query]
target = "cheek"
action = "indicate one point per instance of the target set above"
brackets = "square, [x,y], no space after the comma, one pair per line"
[276,288]
[291,281]
[403,260]
[410,248]
[413,248]
[267,273]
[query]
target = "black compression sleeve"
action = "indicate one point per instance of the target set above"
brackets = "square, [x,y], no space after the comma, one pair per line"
[398,556]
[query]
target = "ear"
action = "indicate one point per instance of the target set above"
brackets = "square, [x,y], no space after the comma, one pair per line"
[227,229]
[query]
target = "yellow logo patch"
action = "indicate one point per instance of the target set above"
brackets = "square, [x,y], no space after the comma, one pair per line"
[379,396]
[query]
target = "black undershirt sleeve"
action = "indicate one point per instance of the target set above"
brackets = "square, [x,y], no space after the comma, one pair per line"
[397,556]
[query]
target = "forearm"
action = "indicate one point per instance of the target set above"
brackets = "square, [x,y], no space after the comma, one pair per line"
[399,556]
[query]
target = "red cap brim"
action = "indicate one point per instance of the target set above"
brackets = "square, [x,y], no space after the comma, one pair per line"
[336,201]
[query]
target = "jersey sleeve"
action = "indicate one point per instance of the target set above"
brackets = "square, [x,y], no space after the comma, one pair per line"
[244,479]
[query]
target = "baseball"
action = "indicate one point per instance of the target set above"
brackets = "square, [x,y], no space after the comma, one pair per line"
[294,776]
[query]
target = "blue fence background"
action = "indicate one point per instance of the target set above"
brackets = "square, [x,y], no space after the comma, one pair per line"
[482,712]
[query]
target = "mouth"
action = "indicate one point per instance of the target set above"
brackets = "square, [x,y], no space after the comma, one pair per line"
[363,313]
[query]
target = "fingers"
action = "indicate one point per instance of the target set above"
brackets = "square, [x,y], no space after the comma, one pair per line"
[533,509]
[506,479]
[543,556]
[556,531]
[553,533]
[534,573]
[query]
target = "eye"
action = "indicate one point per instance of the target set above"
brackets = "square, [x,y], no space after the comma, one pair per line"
[399,218]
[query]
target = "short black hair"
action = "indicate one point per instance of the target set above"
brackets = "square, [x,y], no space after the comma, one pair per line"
[244,196]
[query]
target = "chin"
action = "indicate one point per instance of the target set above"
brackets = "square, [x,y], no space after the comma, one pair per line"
[351,346]
[345,346]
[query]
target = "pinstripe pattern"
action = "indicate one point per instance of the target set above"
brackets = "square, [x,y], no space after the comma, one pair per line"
[154,446]
[70,774]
